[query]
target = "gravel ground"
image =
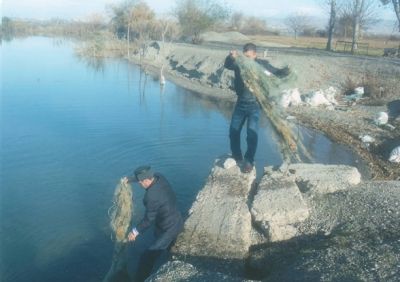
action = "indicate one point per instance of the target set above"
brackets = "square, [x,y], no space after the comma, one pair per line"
[353,236]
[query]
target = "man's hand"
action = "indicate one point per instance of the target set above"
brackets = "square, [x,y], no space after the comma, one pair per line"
[234,53]
[132,236]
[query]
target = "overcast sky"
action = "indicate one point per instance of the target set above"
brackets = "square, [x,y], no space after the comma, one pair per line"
[78,9]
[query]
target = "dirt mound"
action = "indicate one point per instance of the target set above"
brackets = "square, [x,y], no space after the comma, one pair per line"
[226,37]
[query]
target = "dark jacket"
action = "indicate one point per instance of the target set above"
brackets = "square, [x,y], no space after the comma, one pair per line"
[161,208]
[243,95]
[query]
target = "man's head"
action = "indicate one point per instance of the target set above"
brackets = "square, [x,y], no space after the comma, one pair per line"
[144,175]
[250,50]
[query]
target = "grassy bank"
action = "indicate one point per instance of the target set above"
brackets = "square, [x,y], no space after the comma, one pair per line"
[375,45]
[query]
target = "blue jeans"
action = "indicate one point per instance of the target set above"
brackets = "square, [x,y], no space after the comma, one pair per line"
[243,111]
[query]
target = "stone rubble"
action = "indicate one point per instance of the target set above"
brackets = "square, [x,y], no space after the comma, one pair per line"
[283,227]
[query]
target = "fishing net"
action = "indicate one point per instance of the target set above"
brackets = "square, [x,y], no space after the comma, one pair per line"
[120,219]
[267,90]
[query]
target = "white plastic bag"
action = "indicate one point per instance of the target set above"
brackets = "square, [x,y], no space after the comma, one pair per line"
[381,118]
[330,94]
[359,91]
[317,98]
[290,97]
[395,155]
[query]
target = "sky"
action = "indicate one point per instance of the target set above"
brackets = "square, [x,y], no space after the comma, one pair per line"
[79,9]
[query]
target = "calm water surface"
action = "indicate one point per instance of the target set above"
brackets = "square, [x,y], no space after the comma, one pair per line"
[70,129]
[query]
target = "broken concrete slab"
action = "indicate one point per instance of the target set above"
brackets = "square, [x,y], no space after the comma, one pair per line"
[278,200]
[322,179]
[277,205]
[219,224]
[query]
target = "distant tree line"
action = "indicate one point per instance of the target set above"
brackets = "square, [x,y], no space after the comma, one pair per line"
[347,19]
[135,22]
[11,28]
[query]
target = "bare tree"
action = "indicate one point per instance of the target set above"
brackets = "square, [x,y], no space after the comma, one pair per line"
[119,14]
[254,25]
[197,16]
[237,21]
[363,13]
[141,24]
[332,22]
[95,22]
[357,9]
[133,20]
[247,24]
[344,24]
[396,8]
[166,29]
[297,22]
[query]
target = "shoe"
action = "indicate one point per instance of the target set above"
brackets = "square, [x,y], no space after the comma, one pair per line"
[247,167]
[238,160]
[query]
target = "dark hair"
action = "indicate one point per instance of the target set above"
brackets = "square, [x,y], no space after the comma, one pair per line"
[249,47]
[143,172]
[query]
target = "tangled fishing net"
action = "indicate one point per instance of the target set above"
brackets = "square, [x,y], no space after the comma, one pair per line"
[120,219]
[121,211]
[267,91]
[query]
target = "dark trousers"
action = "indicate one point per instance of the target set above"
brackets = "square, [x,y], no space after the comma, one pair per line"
[163,243]
[146,263]
[243,111]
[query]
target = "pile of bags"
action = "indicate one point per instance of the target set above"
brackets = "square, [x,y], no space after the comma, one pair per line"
[292,97]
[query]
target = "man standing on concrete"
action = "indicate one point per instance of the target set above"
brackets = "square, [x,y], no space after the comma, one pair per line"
[247,108]
[161,208]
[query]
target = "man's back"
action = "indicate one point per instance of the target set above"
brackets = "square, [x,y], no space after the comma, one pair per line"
[160,203]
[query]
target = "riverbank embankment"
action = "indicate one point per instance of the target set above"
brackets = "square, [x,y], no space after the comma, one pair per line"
[300,222]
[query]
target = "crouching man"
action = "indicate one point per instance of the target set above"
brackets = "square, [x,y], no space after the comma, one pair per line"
[160,203]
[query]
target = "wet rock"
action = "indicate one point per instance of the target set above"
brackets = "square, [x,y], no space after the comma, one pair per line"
[219,224]
[322,179]
[181,271]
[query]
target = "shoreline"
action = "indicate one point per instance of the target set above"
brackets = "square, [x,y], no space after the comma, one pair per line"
[344,134]
[212,94]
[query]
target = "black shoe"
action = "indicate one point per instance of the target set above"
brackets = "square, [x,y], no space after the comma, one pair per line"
[247,167]
[238,160]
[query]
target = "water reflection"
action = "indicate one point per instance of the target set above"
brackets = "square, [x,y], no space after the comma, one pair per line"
[143,74]
[94,63]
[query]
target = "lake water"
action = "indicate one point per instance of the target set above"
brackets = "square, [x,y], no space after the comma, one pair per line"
[70,129]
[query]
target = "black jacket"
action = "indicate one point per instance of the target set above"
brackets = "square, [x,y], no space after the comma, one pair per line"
[238,82]
[161,208]
[230,64]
